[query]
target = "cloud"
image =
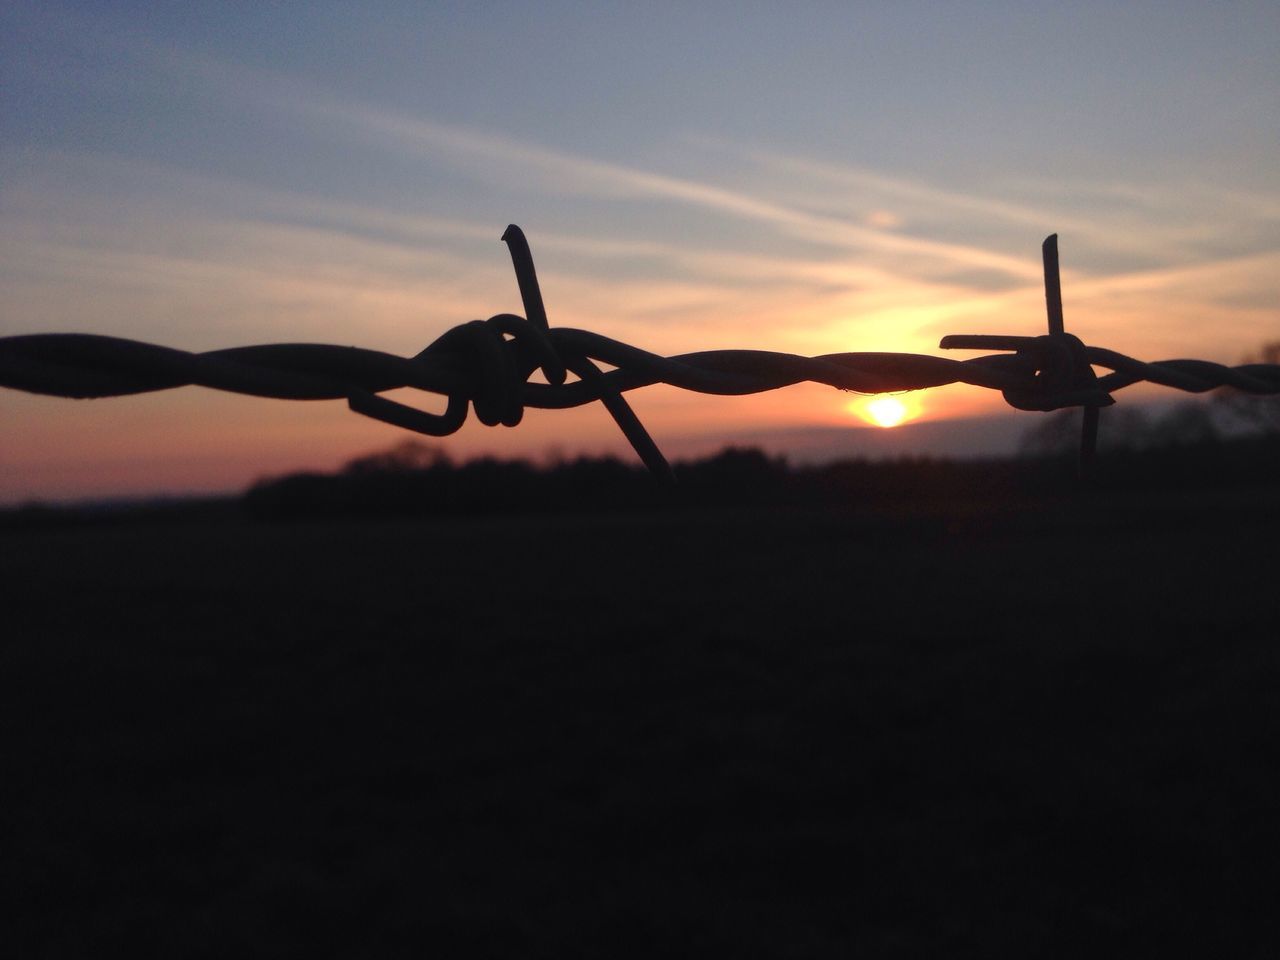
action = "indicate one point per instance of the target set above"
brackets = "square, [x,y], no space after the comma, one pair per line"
[511,160]
[573,171]
[913,201]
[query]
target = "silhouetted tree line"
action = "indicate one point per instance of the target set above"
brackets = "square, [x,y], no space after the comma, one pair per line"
[1129,430]
[414,479]
[1260,413]
[1184,447]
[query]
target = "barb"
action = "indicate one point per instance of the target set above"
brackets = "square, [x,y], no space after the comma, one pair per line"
[486,365]
[1065,363]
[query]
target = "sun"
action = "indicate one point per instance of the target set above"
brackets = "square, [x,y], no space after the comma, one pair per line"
[884,410]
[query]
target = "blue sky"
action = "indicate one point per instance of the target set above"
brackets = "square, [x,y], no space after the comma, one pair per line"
[812,178]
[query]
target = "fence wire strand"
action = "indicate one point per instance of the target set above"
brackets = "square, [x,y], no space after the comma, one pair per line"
[486,365]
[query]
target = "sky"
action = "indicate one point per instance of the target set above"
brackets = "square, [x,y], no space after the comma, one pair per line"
[810,178]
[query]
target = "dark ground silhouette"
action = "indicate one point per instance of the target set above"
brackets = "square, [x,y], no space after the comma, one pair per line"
[879,710]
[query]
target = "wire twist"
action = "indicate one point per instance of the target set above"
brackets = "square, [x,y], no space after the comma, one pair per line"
[486,364]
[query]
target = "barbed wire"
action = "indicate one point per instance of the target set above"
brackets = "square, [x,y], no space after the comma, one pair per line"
[487,364]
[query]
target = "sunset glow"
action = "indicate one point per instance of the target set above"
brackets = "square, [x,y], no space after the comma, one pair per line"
[886,409]
[250,176]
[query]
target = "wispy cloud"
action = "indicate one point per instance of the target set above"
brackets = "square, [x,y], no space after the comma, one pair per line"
[512,159]
[872,187]
[575,172]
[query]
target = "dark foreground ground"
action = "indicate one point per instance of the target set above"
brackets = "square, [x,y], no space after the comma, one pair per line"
[969,729]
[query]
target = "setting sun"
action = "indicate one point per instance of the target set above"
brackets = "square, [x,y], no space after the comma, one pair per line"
[885,410]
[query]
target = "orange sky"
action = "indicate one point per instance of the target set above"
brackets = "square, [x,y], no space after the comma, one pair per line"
[287,286]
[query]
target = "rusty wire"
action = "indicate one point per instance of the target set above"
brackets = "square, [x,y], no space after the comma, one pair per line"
[486,364]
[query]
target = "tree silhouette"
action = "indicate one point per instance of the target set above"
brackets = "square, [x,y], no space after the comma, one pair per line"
[1058,433]
[404,457]
[1254,413]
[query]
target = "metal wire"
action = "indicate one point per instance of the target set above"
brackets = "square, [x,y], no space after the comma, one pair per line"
[486,364]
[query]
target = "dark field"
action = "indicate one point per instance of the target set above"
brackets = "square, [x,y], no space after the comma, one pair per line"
[966,729]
